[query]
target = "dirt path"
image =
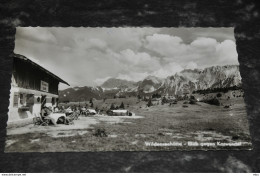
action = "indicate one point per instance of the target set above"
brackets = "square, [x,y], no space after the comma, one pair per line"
[80,124]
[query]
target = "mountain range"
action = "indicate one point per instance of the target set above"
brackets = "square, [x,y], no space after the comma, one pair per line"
[183,82]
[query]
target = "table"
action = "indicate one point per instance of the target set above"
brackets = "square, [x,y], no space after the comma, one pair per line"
[55,116]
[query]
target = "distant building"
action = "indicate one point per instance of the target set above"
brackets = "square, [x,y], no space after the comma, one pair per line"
[32,87]
[91,112]
[121,112]
[170,97]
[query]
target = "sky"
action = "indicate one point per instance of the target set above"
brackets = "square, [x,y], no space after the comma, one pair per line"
[90,56]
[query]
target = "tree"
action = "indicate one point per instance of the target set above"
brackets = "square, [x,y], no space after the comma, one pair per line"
[92,105]
[156,95]
[122,106]
[149,103]
[164,100]
[112,107]
[90,100]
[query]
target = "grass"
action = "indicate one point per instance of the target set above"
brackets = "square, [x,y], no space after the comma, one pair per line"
[161,124]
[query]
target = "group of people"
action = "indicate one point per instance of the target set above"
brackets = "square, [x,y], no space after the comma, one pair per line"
[79,110]
[46,114]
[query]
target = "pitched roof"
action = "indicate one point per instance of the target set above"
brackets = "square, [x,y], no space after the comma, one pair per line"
[19,56]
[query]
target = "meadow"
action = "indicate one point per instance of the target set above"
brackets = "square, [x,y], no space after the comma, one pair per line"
[199,122]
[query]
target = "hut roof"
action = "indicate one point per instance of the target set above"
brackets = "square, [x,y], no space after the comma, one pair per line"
[19,56]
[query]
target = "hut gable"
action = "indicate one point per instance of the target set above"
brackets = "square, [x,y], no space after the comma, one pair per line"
[29,75]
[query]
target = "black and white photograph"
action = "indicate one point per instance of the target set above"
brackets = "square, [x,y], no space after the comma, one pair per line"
[88,89]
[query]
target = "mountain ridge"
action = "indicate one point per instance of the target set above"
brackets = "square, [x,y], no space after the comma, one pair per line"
[182,82]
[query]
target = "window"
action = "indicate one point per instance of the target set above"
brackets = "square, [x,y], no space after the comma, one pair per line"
[16,98]
[29,99]
[21,99]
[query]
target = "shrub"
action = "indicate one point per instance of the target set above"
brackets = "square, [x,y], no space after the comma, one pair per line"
[192,97]
[150,103]
[212,101]
[193,101]
[219,95]
[160,134]
[100,133]
[164,100]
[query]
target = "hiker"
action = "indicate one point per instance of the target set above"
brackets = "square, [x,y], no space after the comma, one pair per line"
[45,113]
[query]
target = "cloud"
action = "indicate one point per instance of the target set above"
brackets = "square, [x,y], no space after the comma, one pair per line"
[191,65]
[92,43]
[97,43]
[204,43]
[202,51]
[226,52]
[167,70]
[117,39]
[140,61]
[133,76]
[66,48]
[89,56]
[165,45]
[100,81]
[36,35]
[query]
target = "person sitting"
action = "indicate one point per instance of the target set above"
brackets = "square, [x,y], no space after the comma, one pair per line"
[62,109]
[68,111]
[56,109]
[77,111]
[45,113]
